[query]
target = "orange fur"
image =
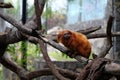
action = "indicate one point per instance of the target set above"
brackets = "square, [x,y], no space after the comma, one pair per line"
[76,42]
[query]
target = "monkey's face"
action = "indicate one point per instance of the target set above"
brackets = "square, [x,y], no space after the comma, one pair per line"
[64,36]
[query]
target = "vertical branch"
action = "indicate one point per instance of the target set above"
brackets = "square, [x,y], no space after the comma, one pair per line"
[109,27]
[37,12]
[108,43]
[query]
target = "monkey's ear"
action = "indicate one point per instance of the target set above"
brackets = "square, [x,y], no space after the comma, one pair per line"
[59,37]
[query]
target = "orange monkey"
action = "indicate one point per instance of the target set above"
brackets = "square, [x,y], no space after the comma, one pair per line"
[76,42]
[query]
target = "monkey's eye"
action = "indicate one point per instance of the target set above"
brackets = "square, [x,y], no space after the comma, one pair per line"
[66,36]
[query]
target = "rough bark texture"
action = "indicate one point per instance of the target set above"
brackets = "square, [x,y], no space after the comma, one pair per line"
[95,70]
[116,28]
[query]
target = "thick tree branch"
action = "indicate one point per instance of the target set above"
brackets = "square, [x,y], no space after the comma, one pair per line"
[13,67]
[95,70]
[67,73]
[10,37]
[102,35]
[2,49]
[89,30]
[47,71]
[14,37]
[38,73]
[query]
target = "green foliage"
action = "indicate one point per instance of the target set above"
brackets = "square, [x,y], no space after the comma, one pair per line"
[33,50]
[1,71]
[14,50]
[24,54]
[11,48]
[60,56]
[91,55]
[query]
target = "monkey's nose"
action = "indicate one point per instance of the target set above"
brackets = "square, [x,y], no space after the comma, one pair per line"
[66,36]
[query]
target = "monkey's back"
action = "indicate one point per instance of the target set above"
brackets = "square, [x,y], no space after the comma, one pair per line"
[79,43]
[76,42]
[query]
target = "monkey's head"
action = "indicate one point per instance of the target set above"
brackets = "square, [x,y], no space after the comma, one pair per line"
[64,36]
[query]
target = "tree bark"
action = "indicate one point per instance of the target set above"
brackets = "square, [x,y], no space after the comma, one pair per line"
[116,40]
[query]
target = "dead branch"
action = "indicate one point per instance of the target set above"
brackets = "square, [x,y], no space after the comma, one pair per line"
[89,30]
[100,67]
[108,43]
[95,70]
[13,67]
[47,71]
[102,35]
